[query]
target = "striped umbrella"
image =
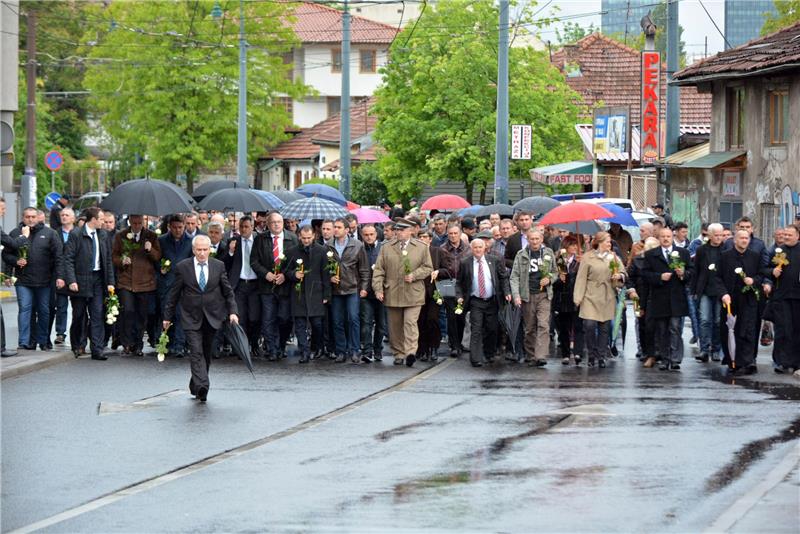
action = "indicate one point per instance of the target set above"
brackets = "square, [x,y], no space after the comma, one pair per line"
[312,208]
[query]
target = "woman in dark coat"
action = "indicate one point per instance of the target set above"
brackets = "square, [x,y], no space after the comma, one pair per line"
[568,324]
[430,335]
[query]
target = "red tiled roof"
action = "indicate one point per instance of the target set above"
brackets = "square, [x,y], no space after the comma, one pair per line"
[361,123]
[775,51]
[611,74]
[316,23]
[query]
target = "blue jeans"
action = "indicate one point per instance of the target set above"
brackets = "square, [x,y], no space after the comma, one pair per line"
[30,299]
[346,308]
[372,326]
[710,311]
[62,301]
[692,313]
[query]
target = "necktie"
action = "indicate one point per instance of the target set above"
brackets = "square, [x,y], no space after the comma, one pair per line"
[276,251]
[202,282]
[666,254]
[481,282]
[246,257]
[94,252]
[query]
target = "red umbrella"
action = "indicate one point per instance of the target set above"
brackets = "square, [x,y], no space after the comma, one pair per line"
[445,203]
[350,206]
[573,212]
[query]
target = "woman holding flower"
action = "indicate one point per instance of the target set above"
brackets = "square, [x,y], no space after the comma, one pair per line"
[430,335]
[569,325]
[600,275]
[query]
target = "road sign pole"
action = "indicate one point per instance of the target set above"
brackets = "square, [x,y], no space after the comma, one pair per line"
[52,180]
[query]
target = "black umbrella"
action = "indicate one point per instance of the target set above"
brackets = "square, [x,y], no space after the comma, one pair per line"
[205,189]
[502,209]
[287,196]
[510,317]
[536,205]
[236,199]
[147,197]
[240,344]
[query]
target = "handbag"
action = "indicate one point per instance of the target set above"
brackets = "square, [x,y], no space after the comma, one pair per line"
[446,288]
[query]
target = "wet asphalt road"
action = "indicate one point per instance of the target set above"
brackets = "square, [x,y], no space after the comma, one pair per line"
[502,448]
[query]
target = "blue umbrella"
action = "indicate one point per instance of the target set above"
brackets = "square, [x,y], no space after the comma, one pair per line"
[322,191]
[470,211]
[312,208]
[271,199]
[622,216]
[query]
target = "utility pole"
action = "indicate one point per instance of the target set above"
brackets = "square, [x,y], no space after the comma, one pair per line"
[28,183]
[241,160]
[501,130]
[673,92]
[344,111]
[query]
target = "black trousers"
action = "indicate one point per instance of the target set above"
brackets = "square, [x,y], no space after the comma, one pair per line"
[201,344]
[90,308]
[570,328]
[668,338]
[308,331]
[2,331]
[134,316]
[249,303]
[483,329]
[455,324]
[786,347]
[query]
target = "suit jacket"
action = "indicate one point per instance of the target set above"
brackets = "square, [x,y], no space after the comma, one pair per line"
[233,264]
[175,252]
[513,246]
[750,262]
[316,285]
[262,261]
[222,250]
[705,281]
[667,299]
[216,303]
[77,263]
[389,271]
[499,275]
[140,275]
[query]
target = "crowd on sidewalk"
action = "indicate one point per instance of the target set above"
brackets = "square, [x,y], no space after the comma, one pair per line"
[339,290]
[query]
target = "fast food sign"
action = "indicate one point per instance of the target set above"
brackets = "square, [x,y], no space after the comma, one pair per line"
[651,105]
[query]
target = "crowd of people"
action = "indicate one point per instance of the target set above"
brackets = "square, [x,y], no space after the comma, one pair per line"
[340,290]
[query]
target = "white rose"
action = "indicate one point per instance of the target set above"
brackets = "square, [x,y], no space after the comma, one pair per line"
[130,235]
[158,231]
[13,279]
[281,257]
[738,270]
[458,312]
[373,267]
[330,253]
[115,310]
[705,240]
[563,251]
[109,321]
[405,253]
[712,267]
[439,302]
[547,257]
[675,254]
[299,261]
[778,250]
[161,356]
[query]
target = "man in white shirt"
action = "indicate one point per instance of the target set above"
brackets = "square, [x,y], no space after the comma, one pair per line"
[243,281]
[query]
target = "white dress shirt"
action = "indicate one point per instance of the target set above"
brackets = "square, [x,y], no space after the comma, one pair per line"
[666,252]
[280,242]
[487,278]
[246,272]
[93,235]
[197,270]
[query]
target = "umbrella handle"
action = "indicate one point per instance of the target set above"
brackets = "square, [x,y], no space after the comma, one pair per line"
[728,307]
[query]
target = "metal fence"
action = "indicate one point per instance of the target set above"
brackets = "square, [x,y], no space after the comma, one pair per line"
[641,190]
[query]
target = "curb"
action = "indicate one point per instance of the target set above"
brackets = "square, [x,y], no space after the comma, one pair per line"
[28,364]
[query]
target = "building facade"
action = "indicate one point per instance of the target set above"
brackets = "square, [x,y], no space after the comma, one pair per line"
[743,20]
[752,166]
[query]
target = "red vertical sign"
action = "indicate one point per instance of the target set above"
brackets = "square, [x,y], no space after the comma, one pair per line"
[650,135]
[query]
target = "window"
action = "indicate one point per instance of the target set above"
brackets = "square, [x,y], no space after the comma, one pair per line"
[334,105]
[736,117]
[778,117]
[368,60]
[336,60]
[286,103]
[729,213]
[769,221]
[288,60]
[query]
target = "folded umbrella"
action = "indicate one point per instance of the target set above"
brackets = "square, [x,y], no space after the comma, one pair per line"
[618,315]
[240,344]
[510,317]
[730,322]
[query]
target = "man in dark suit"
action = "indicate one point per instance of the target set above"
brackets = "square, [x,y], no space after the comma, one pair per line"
[311,290]
[175,247]
[243,281]
[205,298]
[482,286]
[87,272]
[668,269]
[268,260]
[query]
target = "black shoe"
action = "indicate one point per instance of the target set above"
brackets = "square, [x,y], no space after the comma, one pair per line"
[60,339]
[305,358]
[46,347]
[202,394]
[477,364]
[423,357]
[693,340]
[76,352]
[601,363]
[367,358]
[578,360]
[702,358]
[378,357]
[410,359]
[8,353]
[455,353]
[614,352]
[355,358]
[590,363]
[565,360]
[715,357]
[272,357]
[750,370]
[27,347]
[674,367]
[434,357]
[101,357]
[664,365]
[341,358]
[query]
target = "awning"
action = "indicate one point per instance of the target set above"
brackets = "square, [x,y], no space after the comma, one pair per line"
[573,172]
[700,157]
[639,171]
[678,159]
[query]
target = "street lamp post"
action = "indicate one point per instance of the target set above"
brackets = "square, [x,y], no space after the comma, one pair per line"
[241,161]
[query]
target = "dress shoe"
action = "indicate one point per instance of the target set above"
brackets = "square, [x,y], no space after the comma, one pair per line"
[398,361]
[423,357]
[377,357]
[578,359]
[60,339]
[674,367]
[46,348]
[614,351]
[341,358]
[76,352]
[693,340]
[367,358]
[664,366]
[477,364]
[8,353]
[539,363]
[354,358]
[202,393]
[591,362]
[649,362]
[305,358]
[434,357]
[272,357]
[101,357]
[410,359]
[750,370]
[702,358]
[27,347]
[455,353]
[192,388]
[601,363]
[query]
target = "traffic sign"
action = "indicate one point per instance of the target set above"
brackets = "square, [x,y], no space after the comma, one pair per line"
[53,160]
[51,199]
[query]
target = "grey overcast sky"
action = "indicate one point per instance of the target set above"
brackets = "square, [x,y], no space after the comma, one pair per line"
[696,24]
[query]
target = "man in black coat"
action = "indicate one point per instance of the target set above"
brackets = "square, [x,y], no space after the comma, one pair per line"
[707,287]
[481,288]
[205,298]
[87,272]
[668,269]
[34,266]
[268,260]
[783,287]
[372,313]
[518,241]
[311,291]
[243,281]
[55,212]
[740,273]
[7,241]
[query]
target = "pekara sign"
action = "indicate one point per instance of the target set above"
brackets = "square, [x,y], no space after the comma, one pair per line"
[651,106]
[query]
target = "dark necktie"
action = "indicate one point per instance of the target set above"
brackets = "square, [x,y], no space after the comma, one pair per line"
[202,282]
[94,251]
[481,282]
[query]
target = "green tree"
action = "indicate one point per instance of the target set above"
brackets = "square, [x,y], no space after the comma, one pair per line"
[164,79]
[787,13]
[572,32]
[368,187]
[436,107]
